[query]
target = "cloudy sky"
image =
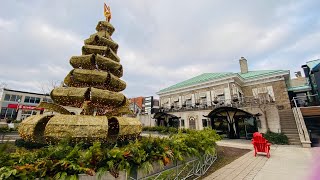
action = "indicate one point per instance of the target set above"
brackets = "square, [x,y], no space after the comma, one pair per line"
[160,42]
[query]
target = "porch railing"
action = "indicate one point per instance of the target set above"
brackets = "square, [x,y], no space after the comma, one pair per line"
[238,103]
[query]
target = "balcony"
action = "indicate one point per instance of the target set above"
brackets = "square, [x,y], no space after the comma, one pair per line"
[235,102]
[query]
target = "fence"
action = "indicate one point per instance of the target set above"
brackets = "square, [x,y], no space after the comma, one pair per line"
[247,101]
[192,168]
[306,101]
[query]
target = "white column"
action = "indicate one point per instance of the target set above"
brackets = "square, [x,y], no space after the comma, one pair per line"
[193,100]
[19,114]
[180,101]
[227,95]
[208,99]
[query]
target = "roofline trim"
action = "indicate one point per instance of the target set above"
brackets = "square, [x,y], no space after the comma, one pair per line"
[195,85]
[12,90]
[234,75]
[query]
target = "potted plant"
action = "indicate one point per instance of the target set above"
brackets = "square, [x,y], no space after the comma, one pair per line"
[215,101]
[235,98]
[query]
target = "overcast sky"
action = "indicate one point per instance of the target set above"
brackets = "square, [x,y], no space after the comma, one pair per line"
[160,42]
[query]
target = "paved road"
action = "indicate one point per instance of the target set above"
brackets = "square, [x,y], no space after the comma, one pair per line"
[286,162]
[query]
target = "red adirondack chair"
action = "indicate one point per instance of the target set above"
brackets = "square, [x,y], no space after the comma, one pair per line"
[260,144]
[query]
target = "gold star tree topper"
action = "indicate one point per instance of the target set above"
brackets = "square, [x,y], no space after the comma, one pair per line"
[107,12]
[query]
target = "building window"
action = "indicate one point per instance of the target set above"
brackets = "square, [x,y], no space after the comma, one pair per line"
[265,94]
[188,102]
[13,98]
[8,113]
[3,112]
[47,100]
[37,100]
[206,123]
[203,101]
[7,97]
[29,99]
[221,98]
[27,113]
[182,122]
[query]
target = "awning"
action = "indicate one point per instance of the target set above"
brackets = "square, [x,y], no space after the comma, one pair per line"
[20,106]
[163,115]
[225,111]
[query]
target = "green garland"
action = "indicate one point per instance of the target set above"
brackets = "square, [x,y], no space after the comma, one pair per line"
[64,161]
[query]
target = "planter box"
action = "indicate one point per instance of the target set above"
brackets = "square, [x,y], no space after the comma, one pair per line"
[107,176]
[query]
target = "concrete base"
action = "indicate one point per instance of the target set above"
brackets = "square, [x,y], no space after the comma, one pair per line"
[306,144]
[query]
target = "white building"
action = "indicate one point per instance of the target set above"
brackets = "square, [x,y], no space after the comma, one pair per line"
[18,105]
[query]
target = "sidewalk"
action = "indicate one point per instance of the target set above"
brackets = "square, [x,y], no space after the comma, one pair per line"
[286,162]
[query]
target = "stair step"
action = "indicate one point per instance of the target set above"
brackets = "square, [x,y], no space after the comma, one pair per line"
[295,143]
[293,136]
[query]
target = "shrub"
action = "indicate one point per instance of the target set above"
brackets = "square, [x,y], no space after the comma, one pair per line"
[276,138]
[62,160]
[165,130]
[28,145]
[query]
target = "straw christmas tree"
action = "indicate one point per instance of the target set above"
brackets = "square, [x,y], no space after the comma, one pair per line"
[94,85]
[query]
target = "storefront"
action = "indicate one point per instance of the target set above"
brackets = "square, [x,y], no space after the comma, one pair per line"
[18,105]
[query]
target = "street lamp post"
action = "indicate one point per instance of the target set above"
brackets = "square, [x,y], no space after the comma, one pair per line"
[18,107]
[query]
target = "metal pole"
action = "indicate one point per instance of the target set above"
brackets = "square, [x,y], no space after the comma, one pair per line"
[294,101]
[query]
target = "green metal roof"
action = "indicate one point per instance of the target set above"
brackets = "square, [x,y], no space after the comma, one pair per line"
[198,79]
[299,88]
[215,76]
[313,63]
[262,73]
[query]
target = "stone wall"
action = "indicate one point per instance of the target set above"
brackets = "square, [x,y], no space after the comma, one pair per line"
[147,120]
[279,90]
[272,118]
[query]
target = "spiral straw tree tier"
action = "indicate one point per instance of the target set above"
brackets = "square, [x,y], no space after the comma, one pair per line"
[94,85]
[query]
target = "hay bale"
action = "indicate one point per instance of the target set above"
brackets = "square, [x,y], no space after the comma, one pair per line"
[94,78]
[32,128]
[53,107]
[70,96]
[105,26]
[115,84]
[84,61]
[107,98]
[108,64]
[90,77]
[124,128]
[119,111]
[102,33]
[77,128]
[102,41]
[102,50]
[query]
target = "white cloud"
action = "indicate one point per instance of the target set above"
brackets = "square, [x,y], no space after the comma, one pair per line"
[161,42]
[7,25]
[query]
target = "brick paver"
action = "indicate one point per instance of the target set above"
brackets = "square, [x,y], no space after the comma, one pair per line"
[245,167]
[286,162]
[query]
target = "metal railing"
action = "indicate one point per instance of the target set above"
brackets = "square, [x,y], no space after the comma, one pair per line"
[193,168]
[238,103]
[306,101]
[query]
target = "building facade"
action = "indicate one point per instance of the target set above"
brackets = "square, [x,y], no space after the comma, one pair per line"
[263,92]
[312,73]
[144,105]
[18,105]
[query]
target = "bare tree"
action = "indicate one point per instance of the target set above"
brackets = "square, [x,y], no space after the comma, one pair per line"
[47,86]
[3,85]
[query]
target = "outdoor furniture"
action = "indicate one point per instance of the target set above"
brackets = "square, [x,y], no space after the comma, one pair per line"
[260,144]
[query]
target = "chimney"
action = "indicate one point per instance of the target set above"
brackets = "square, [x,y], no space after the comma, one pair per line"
[243,65]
